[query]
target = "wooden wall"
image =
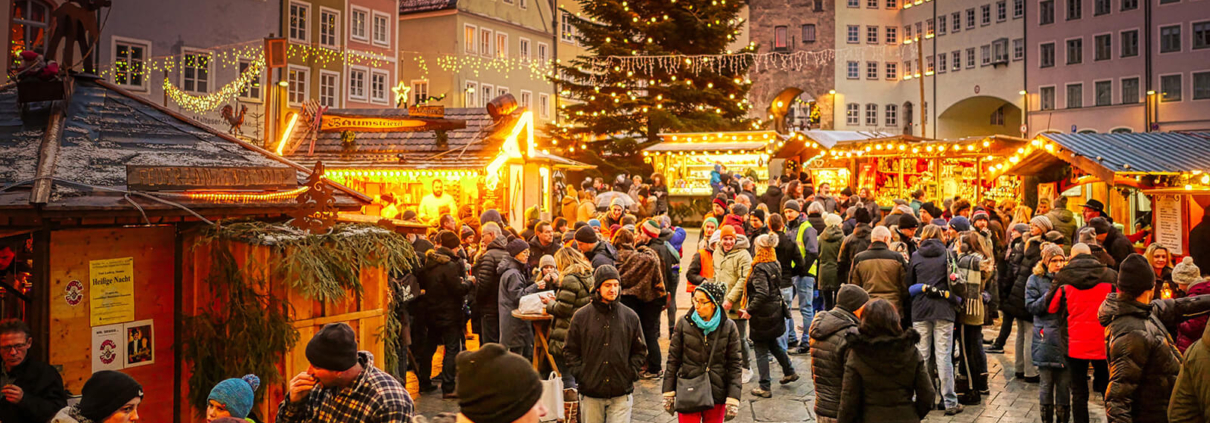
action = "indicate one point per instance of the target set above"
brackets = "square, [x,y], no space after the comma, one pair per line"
[154,290]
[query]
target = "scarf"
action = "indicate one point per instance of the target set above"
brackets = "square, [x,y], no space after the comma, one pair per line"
[764,255]
[710,326]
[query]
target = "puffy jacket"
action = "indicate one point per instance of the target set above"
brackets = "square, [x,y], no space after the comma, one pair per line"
[601,254]
[731,268]
[1064,221]
[829,254]
[573,295]
[1049,347]
[1143,362]
[767,321]
[514,332]
[829,343]
[604,349]
[806,240]
[881,272]
[881,377]
[660,192]
[772,199]
[791,260]
[487,277]
[1190,401]
[930,266]
[754,233]
[1191,330]
[1015,303]
[444,288]
[1083,285]
[855,243]
[1118,246]
[640,272]
[689,349]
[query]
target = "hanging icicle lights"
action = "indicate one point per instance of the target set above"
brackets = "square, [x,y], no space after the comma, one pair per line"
[208,102]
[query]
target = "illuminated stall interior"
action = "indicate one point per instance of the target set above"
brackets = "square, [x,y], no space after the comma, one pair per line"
[687,159]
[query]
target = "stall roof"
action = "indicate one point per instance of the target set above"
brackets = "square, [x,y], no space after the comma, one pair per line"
[1104,155]
[716,141]
[829,139]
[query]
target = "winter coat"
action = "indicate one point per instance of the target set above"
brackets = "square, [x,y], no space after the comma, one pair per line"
[444,289]
[587,210]
[1049,347]
[752,198]
[881,377]
[660,192]
[568,206]
[697,274]
[881,272]
[791,260]
[772,199]
[1199,241]
[829,253]
[1190,401]
[1191,330]
[43,392]
[1103,256]
[767,322]
[604,349]
[487,277]
[733,221]
[1006,276]
[1083,285]
[536,250]
[601,254]
[806,240]
[930,266]
[849,226]
[829,343]
[855,243]
[670,257]
[731,268]
[573,295]
[829,202]
[905,240]
[752,234]
[817,222]
[640,272]
[514,332]
[1143,362]
[1064,221]
[1118,246]
[1014,304]
[689,349]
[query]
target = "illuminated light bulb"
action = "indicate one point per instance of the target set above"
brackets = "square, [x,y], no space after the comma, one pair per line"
[986,144]
[929,149]
[970,147]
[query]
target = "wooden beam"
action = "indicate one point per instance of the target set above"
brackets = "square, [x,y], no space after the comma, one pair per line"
[320,321]
[48,152]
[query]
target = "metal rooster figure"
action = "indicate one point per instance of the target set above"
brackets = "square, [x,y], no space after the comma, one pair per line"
[236,121]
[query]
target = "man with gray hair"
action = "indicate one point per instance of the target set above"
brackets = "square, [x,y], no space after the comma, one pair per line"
[882,271]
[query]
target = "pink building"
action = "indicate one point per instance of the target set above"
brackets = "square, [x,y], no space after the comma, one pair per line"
[1090,65]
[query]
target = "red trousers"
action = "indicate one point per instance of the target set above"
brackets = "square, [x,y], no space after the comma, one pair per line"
[713,415]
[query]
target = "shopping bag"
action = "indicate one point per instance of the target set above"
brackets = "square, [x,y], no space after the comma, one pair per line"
[552,397]
[532,303]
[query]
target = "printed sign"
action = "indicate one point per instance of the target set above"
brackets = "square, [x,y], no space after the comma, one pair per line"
[427,111]
[154,178]
[107,348]
[1168,232]
[140,343]
[73,293]
[111,291]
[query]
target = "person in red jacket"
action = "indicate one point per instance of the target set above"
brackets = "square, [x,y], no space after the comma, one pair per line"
[1082,287]
[1189,277]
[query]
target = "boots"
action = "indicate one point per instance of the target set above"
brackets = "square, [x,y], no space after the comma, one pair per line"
[1062,413]
[1048,413]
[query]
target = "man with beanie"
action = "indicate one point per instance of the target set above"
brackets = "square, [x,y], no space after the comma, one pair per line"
[487,278]
[806,240]
[882,272]
[33,390]
[755,226]
[495,386]
[342,385]
[441,309]
[829,344]
[106,394]
[1088,236]
[605,351]
[1111,239]
[854,243]
[1143,362]
[732,263]
[906,232]
[516,334]
[597,251]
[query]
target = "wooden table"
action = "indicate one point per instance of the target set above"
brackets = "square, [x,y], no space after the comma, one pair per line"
[541,347]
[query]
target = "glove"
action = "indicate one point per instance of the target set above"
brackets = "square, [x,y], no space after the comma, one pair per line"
[732,409]
[670,402]
[987,298]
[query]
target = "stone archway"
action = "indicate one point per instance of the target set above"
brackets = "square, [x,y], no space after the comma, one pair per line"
[979,115]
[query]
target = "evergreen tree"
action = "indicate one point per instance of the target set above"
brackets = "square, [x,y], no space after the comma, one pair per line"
[616,91]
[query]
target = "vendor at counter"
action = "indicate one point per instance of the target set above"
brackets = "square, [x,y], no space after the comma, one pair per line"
[437,203]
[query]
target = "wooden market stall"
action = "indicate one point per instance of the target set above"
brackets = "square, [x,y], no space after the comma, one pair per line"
[687,159]
[804,146]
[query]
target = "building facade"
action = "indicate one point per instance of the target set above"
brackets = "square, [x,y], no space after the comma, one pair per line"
[793,26]
[341,53]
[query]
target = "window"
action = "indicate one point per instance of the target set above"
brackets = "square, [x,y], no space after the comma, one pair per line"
[1201,35]
[1046,12]
[780,37]
[1046,96]
[1130,4]
[1130,90]
[251,90]
[195,72]
[919,31]
[808,33]
[327,88]
[941,26]
[892,70]
[1201,85]
[957,56]
[819,5]
[485,42]
[871,115]
[985,53]
[1104,93]
[956,18]
[543,56]
[985,14]
[1170,88]
[420,92]
[527,100]
[525,51]
[970,18]
[501,45]
[382,29]
[892,115]
[871,34]
[1075,51]
[357,84]
[997,117]
[929,63]
[854,3]
[470,39]
[328,20]
[1104,47]
[523,4]
[1075,96]
[1075,9]
[872,4]
[29,29]
[1046,55]
[567,31]
[1002,11]
[358,24]
[851,70]
[892,4]
[892,34]
[942,60]
[544,105]
[851,114]
[970,58]
[851,35]
[1018,49]
[1130,43]
[931,28]
[871,70]
[1100,7]
[298,90]
[379,87]
[1018,9]
[471,94]
[1170,39]
[907,69]
[128,59]
[486,94]
[907,32]
[300,13]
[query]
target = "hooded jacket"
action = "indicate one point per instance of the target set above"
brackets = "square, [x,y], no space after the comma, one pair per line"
[772,198]
[806,241]
[444,288]
[791,260]
[568,206]
[689,349]
[1191,396]
[573,295]
[1007,275]
[514,332]
[604,349]
[601,254]
[1014,304]
[487,277]
[586,211]
[881,272]
[642,276]
[1143,362]
[734,221]
[829,254]
[1049,346]
[855,243]
[882,375]
[829,343]
[731,268]
[767,321]
[670,257]
[1064,221]
[930,266]
[1191,330]
[1083,285]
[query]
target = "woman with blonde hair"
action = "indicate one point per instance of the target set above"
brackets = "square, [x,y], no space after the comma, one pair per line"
[1161,262]
[574,292]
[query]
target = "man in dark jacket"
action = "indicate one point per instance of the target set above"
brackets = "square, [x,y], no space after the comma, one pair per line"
[543,243]
[487,280]
[597,251]
[1112,239]
[440,309]
[605,351]
[772,196]
[881,272]
[755,226]
[853,244]
[33,390]
[828,348]
[1144,363]
[806,240]
[907,232]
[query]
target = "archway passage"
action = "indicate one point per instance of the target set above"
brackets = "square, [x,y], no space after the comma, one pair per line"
[980,115]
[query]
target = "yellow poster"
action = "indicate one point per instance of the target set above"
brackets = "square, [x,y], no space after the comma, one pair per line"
[111,291]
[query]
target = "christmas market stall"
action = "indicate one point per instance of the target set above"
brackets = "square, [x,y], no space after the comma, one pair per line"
[688,161]
[805,145]
[151,244]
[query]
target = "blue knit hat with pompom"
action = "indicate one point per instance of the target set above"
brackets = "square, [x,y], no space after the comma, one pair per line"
[237,394]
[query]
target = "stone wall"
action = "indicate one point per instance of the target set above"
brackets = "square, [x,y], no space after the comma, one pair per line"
[814,80]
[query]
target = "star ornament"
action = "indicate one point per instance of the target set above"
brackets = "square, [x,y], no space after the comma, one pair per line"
[401,91]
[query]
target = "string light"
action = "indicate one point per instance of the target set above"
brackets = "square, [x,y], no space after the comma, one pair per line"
[208,102]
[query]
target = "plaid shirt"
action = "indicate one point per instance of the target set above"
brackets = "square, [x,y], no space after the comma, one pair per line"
[374,397]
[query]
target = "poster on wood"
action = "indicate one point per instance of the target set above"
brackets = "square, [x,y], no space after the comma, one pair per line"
[140,343]
[111,291]
[1168,227]
[107,348]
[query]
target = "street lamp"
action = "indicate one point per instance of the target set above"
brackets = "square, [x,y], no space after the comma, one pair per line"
[1025,114]
[1150,116]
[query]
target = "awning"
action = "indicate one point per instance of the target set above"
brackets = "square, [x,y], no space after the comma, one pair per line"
[1107,155]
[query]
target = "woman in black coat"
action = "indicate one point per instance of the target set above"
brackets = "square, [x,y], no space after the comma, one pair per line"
[1007,279]
[766,314]
[705,340]
[884,372]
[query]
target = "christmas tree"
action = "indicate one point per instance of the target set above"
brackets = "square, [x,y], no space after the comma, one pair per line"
[653,66]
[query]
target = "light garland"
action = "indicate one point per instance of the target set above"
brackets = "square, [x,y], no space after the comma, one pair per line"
[347,174]
[235,197]
[735,62]
[208,102]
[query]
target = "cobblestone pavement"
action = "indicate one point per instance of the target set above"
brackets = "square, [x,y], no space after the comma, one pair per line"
[1010,401]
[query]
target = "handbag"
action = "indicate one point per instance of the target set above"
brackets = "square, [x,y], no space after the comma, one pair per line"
[552,397]
[693,395]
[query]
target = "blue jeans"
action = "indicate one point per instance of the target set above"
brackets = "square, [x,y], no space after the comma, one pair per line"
[805,285]
[937,340]
[606,410]
[787,294]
